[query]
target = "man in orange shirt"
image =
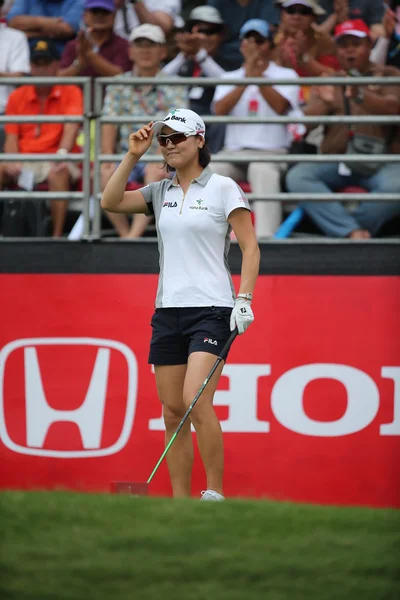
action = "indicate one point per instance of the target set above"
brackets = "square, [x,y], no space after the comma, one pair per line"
[46,138]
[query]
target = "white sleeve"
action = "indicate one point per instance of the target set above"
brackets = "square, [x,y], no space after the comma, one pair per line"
[172,68]
[19,61]
[379,52]
[208,65]
[233,196]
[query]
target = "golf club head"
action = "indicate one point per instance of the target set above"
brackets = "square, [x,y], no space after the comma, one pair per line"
[130,488]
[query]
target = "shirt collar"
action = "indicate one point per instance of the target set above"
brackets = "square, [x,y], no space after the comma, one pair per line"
[202,179]
[204,176]
[32,96]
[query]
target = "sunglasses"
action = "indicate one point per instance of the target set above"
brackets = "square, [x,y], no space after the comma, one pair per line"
[304,11]
[258,39]
[174,138]
[209,30]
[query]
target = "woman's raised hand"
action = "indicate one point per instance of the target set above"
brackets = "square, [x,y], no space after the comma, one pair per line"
[140,141]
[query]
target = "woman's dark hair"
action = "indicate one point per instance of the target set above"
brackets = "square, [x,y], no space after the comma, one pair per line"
[204,159]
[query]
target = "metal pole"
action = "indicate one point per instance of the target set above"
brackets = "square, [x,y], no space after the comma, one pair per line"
[87,90]
[98,101]
[41,157]
[23,195]
[40,118]
[237,157]
[213,81]
[286,120]
[294,197]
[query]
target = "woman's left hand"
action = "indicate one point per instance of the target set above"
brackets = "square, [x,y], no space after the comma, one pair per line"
[241,316]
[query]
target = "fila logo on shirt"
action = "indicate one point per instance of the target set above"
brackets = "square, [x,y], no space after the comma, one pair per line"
[170,204]
[210,341]
[198,205]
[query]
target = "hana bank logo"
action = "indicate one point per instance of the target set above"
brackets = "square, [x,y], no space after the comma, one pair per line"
[88,417]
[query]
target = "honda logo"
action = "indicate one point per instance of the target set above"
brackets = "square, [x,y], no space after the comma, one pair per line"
[89,416]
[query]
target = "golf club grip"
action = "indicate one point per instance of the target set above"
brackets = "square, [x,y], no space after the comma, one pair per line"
[228,344]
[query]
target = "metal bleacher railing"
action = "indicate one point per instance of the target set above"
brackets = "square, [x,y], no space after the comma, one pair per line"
[92,229]
[101,82]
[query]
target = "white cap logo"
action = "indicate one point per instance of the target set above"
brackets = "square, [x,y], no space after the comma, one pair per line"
[182,119]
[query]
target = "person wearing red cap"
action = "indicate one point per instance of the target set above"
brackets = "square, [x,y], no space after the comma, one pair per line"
[353,47]
[339,11]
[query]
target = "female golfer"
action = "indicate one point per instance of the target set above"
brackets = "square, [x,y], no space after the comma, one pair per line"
[196,305]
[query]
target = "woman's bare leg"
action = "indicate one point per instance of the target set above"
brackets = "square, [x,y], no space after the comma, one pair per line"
[203,417]
[170,381]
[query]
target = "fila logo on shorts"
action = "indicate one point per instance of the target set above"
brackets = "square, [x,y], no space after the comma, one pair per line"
[211,341]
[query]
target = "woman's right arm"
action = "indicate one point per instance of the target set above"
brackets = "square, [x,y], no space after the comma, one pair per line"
[115,199]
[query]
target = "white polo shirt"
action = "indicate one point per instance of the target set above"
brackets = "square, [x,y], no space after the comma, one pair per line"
[14,58]
[193,239]
[252,103]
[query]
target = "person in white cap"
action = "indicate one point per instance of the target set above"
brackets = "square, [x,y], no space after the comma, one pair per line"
[196,304]
[205,31]
[147,51]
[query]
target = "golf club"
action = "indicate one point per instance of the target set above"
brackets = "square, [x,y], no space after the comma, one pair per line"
[141,489]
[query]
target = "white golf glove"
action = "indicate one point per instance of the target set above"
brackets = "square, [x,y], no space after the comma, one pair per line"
[241,315]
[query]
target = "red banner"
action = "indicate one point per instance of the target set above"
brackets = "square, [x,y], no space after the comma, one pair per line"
[309,400]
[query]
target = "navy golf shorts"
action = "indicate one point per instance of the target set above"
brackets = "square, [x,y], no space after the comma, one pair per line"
[177,332]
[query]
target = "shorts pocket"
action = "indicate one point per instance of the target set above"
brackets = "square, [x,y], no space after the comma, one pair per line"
[222,313]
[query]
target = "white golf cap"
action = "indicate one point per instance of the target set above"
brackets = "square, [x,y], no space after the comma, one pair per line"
[149,32]
[184,120]
[313,4]
[206,14]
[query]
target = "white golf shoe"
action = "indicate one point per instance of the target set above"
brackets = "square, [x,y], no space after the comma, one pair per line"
[211,495]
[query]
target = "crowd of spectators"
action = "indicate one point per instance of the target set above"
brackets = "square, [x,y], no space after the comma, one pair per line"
[274,39]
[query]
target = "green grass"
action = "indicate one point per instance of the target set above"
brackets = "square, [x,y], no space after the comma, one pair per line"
[62,546]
